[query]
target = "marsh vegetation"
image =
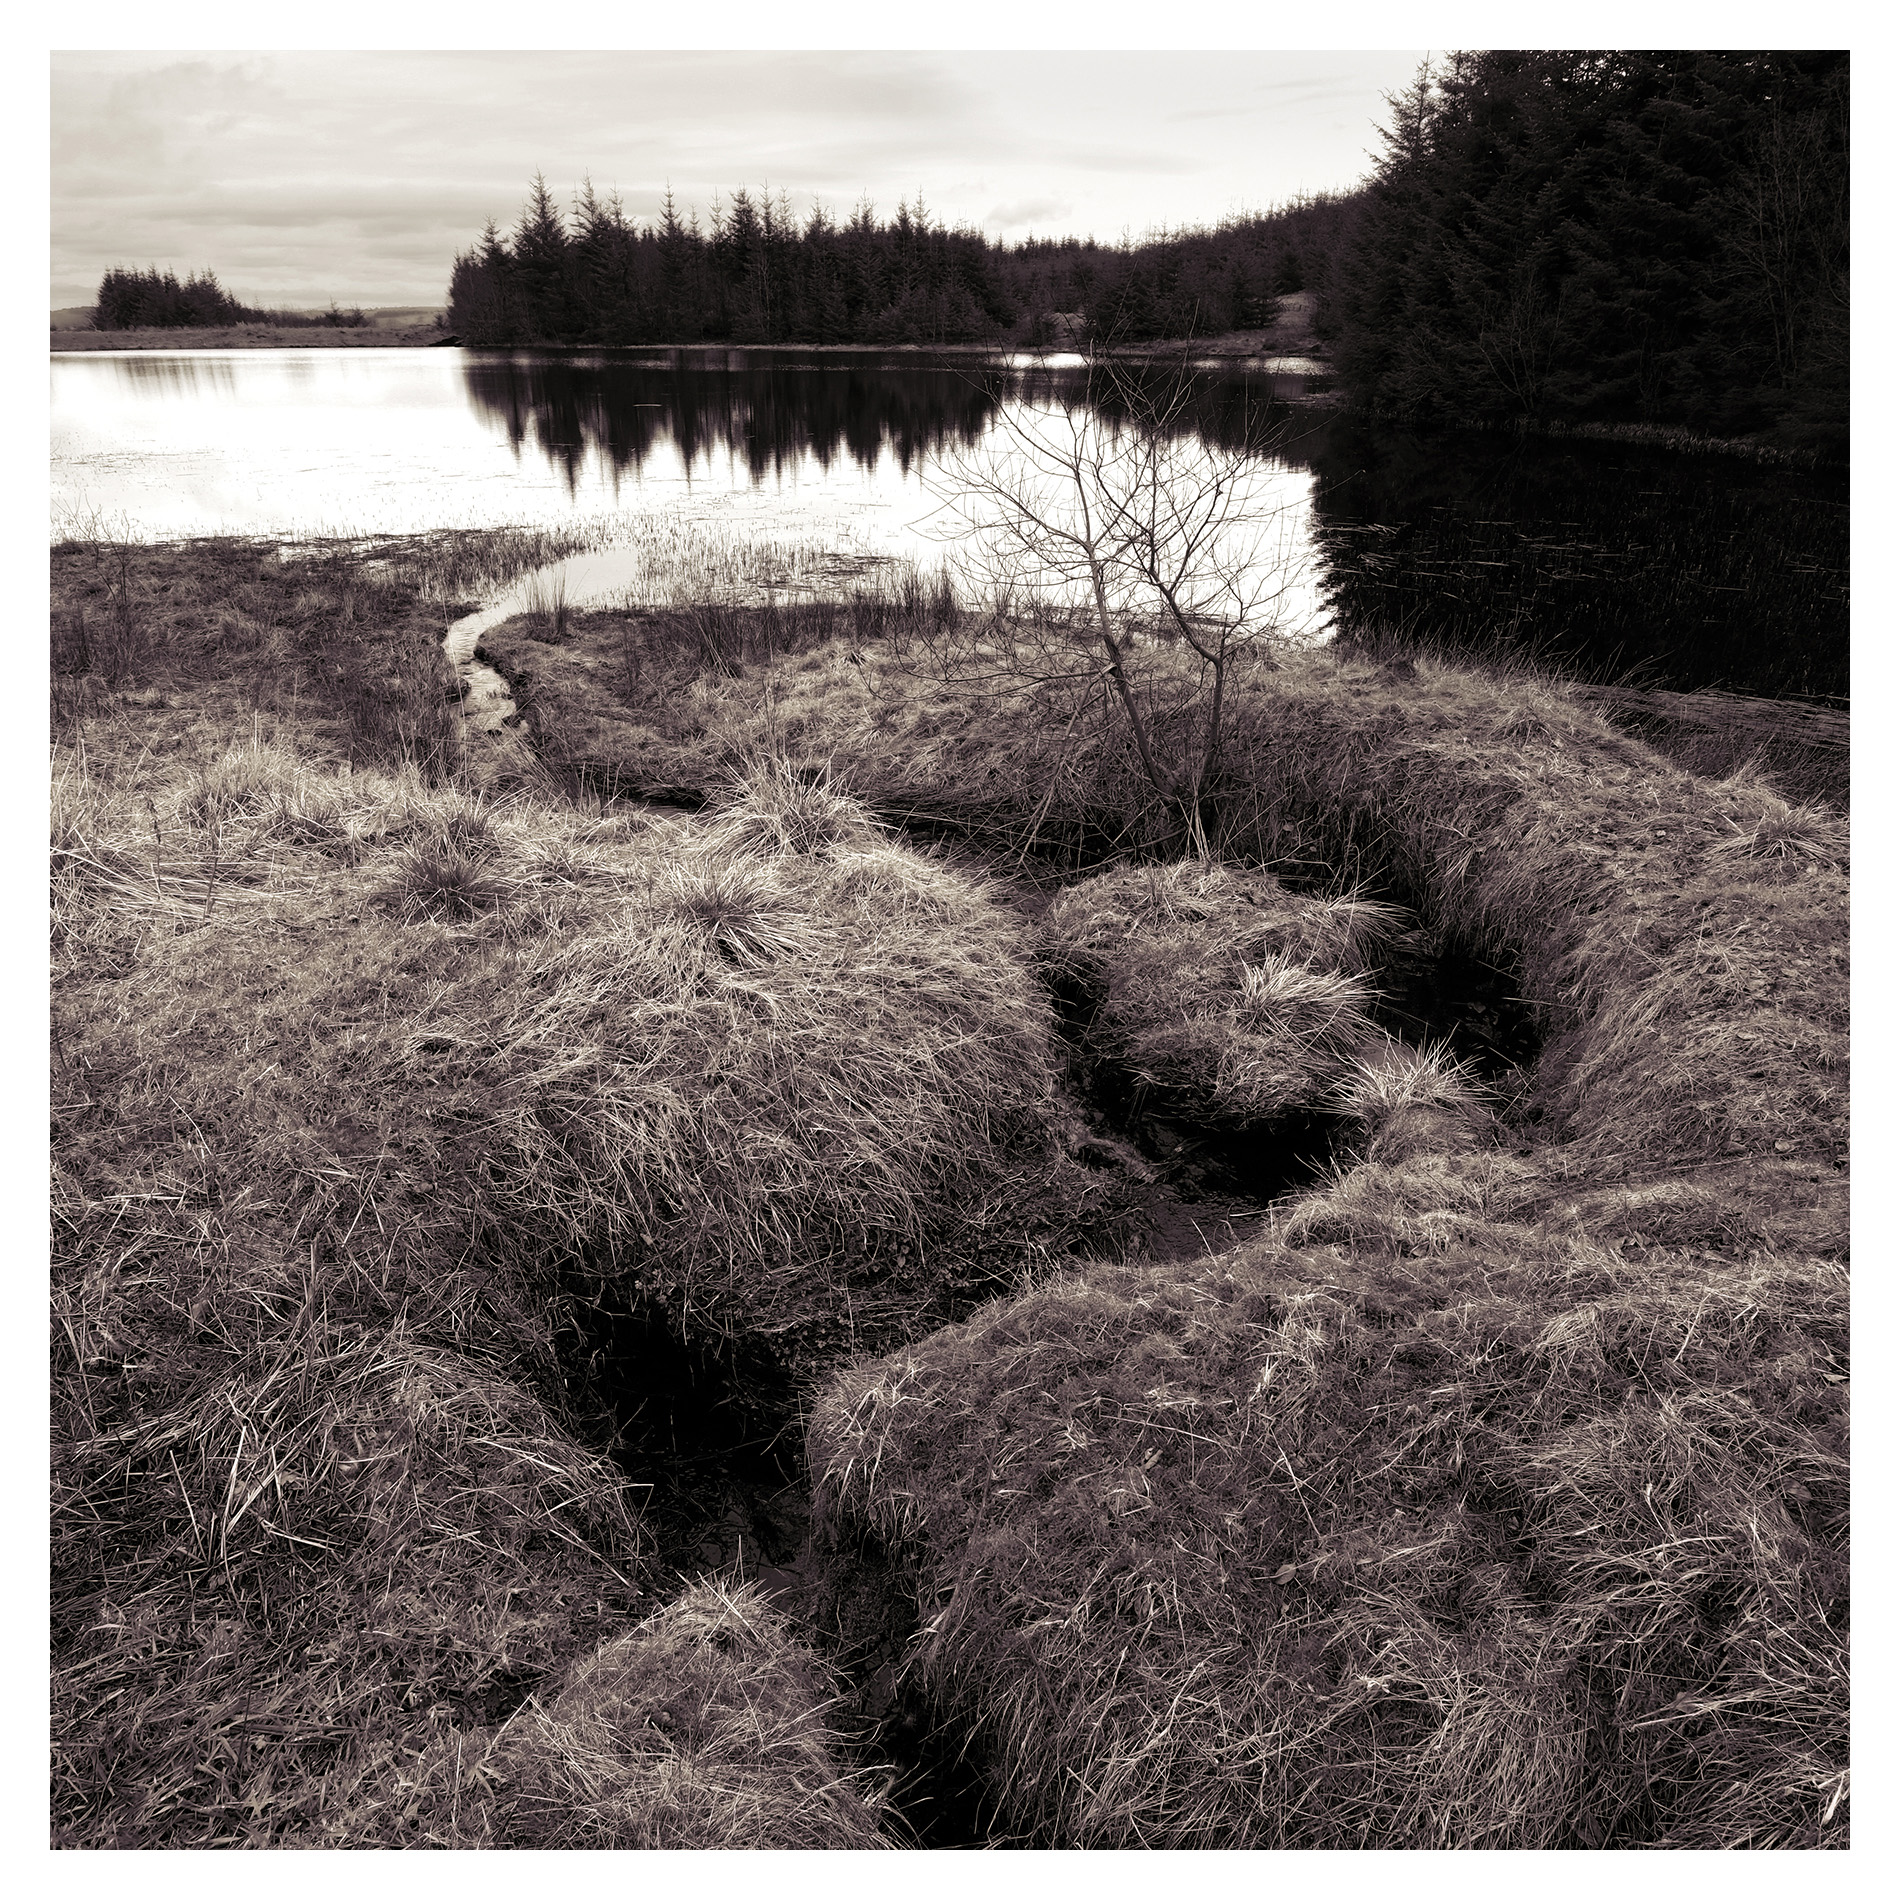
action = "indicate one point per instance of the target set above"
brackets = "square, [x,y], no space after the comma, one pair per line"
[883,1299]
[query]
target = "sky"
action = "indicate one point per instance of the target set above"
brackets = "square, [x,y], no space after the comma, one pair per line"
[302,177]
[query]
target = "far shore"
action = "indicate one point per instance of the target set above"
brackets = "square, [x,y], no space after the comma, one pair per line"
[249,336]
[1289,337]
[1241,345]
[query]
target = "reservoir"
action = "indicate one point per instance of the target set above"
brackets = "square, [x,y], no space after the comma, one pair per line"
[1602,559]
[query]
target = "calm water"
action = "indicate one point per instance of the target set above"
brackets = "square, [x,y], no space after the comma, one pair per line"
[1695,571]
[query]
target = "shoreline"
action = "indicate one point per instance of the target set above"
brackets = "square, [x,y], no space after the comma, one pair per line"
[1289,343]
[247,336]
[1225,349]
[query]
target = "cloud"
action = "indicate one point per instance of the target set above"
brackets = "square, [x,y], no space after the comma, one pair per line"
[360,175]
[1025,212]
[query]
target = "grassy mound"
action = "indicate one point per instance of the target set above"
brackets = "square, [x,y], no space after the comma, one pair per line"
[329,1504]
[1437,1530]
[314,1506]
[702,1727]
[799,1091]
[1682,941]
[329,1498]
[1685,941]
[1218,990]
[632,703]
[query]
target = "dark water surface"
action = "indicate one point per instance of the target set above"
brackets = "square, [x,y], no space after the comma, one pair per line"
[1687,571]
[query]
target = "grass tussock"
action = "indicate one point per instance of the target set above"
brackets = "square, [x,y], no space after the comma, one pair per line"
[800,1090]
[1217,989]
[1493,1496]
[1681,941]
[326,1510]
[703,1727]
[775,811]
[1353,1539]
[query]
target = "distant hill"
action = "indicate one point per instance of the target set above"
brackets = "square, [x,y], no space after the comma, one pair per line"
[74,317]
[402,316]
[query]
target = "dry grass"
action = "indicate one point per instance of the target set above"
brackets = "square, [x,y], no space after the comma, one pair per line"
[309,1511]
[322,1518]
[1682,941]
[1216,988]
[701,1728]
[1495,1497]
[630,703]
[799,1091]
[324,1512]
[1436,1530]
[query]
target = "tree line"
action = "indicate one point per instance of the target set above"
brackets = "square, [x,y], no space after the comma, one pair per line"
[1655,237]
[756,274]
[158,300]
[1184,284]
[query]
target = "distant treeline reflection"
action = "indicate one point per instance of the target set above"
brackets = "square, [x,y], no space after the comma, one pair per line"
[1602,559]
[773,415]
[770,418]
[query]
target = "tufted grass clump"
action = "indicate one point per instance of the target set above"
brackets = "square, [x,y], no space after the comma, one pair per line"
[440,878]
[1216,987]
[704,1727]
[784,1106]
[772,808]
[1791,836]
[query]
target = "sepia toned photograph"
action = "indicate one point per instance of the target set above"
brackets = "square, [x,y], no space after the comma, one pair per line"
[949,949]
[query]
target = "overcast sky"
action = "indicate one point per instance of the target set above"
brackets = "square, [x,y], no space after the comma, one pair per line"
[299,177]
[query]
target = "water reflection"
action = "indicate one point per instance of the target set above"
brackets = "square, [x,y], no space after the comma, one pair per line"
[772,421]
[1604,559]
[1699,571]
[165,374]
[774,412]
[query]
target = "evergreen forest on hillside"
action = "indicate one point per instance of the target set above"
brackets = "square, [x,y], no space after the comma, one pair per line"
[1660,237]
[1570,236]
[758,276]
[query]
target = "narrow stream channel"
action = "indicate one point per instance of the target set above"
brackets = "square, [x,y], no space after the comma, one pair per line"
[715,1445]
